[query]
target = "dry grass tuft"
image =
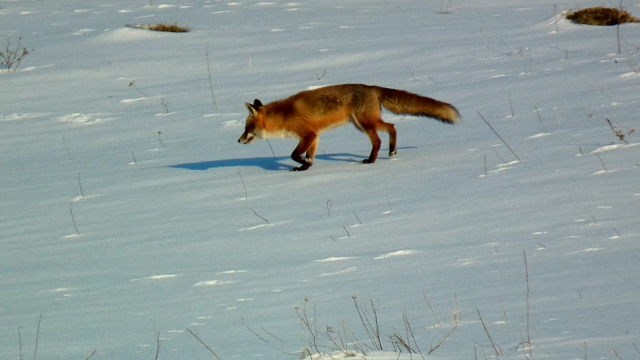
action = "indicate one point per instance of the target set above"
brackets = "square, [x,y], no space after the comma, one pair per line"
[601,16]
[175,28]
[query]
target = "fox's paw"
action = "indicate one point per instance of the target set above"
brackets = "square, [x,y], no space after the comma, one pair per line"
[368,161]
[392,152]
[301,168]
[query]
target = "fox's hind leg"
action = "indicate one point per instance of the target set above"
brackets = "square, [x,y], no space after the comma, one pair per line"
[372,132]
[307,145]
[375,144]
[391,130]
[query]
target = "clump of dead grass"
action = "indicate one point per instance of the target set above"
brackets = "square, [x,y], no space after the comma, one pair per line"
[601,16]
[174,28]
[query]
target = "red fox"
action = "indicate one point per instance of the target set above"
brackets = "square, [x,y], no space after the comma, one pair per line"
[307,114]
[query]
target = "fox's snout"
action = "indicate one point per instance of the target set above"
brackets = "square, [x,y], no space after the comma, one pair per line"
[246,138]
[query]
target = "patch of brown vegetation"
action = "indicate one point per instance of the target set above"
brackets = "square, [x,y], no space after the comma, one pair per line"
[601,16]
[175,28]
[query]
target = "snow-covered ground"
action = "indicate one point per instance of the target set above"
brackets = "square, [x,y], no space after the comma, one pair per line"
[129,213]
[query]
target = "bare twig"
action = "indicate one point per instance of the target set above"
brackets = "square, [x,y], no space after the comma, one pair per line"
[133,85]
[511,106]
[370,323]
[619,132]
[253,332]
[73,219]
[309,325]
[602,162]
[80,186]
[160,139]
[540,119]
[498,135]
[10,57]
[431,308]
[20,344]
[526,271]
[256,214]
[210,81]
[35,348]
[271,148]
[93,353]
[203,344]
[495,347]
[485,164]
[410,334]
[244,185]
[157,345]
[434,348]
[270,334]
[616,353]
[347,231]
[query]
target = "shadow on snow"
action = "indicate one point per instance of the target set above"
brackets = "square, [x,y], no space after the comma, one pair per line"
[267,163]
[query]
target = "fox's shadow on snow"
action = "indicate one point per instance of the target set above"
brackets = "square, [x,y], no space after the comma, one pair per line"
[267,163]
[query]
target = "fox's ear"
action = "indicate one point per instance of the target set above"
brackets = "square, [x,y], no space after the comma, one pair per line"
[257,103]
[252,109]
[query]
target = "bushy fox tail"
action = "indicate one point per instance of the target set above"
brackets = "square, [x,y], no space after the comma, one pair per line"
[405,103]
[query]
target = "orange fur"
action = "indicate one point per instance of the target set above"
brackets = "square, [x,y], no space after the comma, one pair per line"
[307,114]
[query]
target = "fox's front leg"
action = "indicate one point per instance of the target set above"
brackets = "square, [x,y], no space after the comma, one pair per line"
[307,145]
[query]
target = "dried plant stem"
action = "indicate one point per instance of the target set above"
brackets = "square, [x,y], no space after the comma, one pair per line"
[271,148]
[526,272]
[157,345]
[495,347]
[347,231]
[210,81]
[370,323]
[511,106]
[602,162]
[253,332]
[93,353]
[432,312]
[356,215]
[244,185]
[309,325]
[498,135]
[80,186]
[540,119]
[133,84]
[160,139]
[258,215]
[35,349]
[20,344]
[203,344]
[485,164]
[73,218]
[438,345]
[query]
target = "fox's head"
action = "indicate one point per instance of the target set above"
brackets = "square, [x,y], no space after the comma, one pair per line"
[252,131]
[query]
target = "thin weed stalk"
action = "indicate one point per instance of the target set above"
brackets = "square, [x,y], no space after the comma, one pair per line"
[309,325]
[496,349]
[91,355]
[540,119]
[213,97]
[370,323]
[203,344]
[498,135]
[445,338]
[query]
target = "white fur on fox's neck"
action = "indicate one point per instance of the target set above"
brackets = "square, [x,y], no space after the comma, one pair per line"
[278,134]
